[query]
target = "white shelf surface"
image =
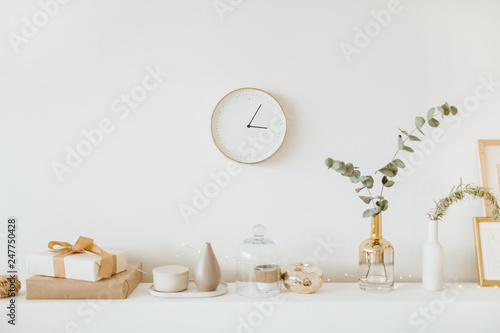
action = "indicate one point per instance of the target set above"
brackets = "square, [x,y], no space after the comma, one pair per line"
[336,307]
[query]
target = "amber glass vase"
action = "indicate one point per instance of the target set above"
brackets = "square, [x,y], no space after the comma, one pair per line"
[376,260]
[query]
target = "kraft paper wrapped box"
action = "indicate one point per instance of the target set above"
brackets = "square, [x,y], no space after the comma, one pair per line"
[78,266]
[119,286]
[82,261]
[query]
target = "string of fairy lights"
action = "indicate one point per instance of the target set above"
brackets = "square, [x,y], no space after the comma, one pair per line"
[401,277]
[187,246]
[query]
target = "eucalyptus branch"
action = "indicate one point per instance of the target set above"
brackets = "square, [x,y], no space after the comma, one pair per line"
[464,192]
[370,196]
[391,169]
[410,137]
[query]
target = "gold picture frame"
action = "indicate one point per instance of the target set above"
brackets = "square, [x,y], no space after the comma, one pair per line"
[487,244]
[489,160]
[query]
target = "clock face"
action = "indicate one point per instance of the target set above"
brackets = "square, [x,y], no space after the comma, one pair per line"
[248,125]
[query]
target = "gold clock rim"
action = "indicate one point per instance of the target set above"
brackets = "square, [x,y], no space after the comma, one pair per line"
[212,119]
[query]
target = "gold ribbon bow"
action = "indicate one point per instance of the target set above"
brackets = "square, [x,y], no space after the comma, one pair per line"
[82,245]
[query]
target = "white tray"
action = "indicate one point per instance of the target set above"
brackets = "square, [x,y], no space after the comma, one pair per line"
[191,292]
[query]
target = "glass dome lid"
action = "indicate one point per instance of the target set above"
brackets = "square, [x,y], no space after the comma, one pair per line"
[258,236]
[258,272]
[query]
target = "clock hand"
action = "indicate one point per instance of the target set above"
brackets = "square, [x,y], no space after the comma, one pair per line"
[254,116]
[256,127]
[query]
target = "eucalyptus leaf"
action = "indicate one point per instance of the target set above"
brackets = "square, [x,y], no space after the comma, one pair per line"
[433,122]
[430,113]
[401,143]
[359,189]
[397,162]
[408,149]
[446,108]
[383,205]
[367,181]
[441,110]
[355,177]
[414,138]
[384,180]
[393,167]
[366,200]
[329,162]
[388,172]
[349,169]
[390,183]
[419,122]
[341,167]
[404,132]
[371,212]
[338,166]
[453,110]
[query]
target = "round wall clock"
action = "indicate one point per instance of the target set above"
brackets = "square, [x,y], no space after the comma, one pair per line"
[248,125]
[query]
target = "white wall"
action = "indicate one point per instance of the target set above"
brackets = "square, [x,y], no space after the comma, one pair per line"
[126,193]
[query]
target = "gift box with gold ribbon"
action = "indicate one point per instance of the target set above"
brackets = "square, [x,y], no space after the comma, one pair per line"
[82,261]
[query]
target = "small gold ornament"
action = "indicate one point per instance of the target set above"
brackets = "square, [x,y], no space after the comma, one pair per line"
[302,278]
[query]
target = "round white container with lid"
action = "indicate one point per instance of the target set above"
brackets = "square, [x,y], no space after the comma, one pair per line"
[170,278]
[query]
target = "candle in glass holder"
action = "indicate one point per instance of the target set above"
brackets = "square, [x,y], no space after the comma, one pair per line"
[268,277]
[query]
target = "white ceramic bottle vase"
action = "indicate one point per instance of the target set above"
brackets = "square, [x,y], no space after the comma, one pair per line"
[207,271]
[432,272]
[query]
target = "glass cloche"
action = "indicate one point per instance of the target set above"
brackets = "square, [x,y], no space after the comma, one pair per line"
[258,270]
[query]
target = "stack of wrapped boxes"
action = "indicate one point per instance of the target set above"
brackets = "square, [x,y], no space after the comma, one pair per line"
[81,271]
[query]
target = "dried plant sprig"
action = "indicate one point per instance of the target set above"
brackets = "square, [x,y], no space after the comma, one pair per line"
[389,171]
[464,192]
[6,284]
